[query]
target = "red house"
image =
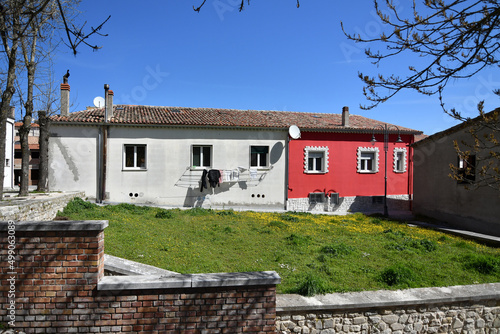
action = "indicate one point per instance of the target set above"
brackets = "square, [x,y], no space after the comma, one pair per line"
[342,165]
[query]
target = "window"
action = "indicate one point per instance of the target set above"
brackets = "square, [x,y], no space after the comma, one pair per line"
[7,162]
[259,156]
[35,155]
[134,157]
[400,160]
[316,198]
[467,169]
[18,154]
[202,156]
[367,159]
[34,175]
[316,159]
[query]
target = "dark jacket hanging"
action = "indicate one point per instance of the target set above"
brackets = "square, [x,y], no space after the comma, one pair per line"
[204,180]
[213,177]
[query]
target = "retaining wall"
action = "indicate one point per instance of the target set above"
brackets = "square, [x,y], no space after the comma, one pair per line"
[55,284]
[36,207]
[473,309]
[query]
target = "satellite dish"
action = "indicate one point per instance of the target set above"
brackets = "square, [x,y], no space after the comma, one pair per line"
[99,102]
[294,132]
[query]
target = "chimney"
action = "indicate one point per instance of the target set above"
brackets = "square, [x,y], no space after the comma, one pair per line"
[64,99]
[345,116]
[12,113]
[109,104]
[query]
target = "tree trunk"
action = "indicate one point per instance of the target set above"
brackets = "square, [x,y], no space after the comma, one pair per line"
[24,131]
[43,140]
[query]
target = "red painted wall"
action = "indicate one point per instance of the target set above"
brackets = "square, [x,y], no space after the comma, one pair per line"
[342,176]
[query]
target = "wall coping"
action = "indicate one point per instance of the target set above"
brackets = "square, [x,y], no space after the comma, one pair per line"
[144,282]
[386,298]
[57,225]
[118,265]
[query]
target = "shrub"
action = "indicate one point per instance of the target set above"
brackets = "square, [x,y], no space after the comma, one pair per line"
[199,212]
[337,250]
[483,264]
[225,213]
[297,240]
[77,205]
[397,275]
[164,214]
[128,208]
[289,218]
[311,285]
[426,245]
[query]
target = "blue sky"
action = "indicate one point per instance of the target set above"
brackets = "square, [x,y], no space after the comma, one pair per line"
[271,56]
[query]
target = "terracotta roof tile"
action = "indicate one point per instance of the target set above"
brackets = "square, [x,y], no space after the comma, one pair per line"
[175,116]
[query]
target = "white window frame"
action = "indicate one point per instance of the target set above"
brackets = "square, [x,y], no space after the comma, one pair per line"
[375,163]
[309,150]
[201,156]
[135,163]
[258,166]
[400,151]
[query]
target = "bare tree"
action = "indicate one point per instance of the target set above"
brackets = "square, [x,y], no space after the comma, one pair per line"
[241,6]
[456,40]
[22,20]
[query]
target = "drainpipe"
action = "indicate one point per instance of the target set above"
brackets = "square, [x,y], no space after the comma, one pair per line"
[287,148]
[410,171]
[103,143]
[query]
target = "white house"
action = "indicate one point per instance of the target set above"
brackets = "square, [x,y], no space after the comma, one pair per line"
[8,179]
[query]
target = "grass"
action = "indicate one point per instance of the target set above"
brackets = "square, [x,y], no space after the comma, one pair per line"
[313,254]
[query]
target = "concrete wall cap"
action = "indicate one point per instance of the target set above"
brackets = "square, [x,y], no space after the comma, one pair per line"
[386,298]
[140,282]
[57,225]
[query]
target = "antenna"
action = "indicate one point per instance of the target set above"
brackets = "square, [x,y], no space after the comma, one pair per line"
[294,132]
[99,101]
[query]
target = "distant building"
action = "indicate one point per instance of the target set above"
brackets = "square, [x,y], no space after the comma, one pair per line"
[34,154]
[439,196]
[8,180]
[228,158]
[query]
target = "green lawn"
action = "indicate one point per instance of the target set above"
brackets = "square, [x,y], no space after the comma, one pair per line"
[311,253]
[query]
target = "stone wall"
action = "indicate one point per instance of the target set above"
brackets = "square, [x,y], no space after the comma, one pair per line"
[461,309]
[351,204]
[36,207]
[52,281]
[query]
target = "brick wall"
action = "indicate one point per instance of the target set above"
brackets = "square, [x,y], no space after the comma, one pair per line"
[60,288]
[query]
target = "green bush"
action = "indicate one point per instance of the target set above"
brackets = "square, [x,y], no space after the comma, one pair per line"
[337,250]
[397,275]
[225,213]
[297,240]
[311,285]
[199,212]
[289,218]
[164,214]
[483,264]
[128,208]
[77,205]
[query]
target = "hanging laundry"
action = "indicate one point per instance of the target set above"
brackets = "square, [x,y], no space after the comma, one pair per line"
[204,180]
[213,177]
[221,177]
[253,174]
[235,175]
[228,176]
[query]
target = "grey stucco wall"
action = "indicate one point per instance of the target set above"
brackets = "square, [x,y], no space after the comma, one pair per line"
[439,196]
